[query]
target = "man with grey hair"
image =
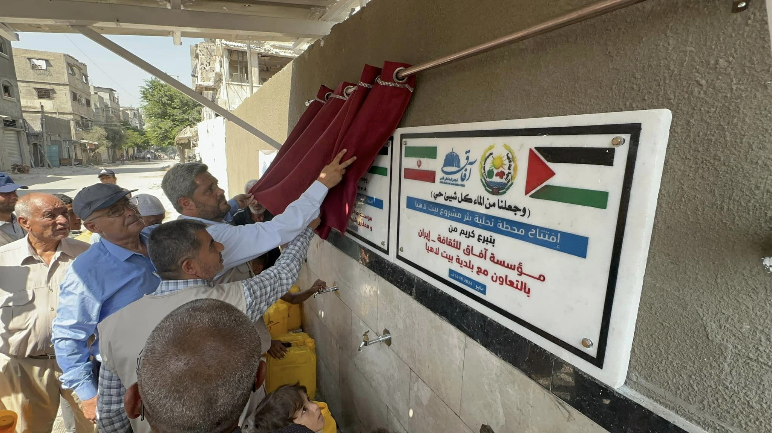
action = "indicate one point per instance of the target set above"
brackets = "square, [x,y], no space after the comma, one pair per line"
[201,384]
[187,259]
[195,193]
[31,269]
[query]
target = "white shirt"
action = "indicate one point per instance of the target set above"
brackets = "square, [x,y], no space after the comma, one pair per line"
[244,243]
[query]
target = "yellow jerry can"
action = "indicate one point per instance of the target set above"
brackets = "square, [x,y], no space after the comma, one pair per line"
[297,366]
[330,426]
[275,318]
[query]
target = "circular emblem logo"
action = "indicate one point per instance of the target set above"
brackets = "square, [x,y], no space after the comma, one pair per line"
[498,168]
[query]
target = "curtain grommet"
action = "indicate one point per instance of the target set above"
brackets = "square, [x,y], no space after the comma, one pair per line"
[327,96]
[396,78]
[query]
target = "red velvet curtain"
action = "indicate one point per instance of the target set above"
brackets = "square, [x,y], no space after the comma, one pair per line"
[275,200]
[360,123]
[313,109]
[376,121]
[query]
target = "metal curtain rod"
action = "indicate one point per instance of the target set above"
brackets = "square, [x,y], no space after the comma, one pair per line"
[592,10]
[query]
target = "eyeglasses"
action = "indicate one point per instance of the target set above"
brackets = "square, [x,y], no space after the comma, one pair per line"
[117,210]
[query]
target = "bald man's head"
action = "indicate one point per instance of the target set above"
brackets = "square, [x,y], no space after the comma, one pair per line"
[199,368]
[43,216]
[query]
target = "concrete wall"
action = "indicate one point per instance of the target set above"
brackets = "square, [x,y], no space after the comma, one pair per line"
[211,150]
[268,110]
[11,108]
[703,345]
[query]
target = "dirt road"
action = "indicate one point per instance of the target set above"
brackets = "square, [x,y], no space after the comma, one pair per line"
[145,177]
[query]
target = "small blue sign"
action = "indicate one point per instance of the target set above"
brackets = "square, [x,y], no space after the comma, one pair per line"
[371,201]
[463,279]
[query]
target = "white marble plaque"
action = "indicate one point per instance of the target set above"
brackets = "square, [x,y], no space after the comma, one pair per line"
[543,224]
[370,219]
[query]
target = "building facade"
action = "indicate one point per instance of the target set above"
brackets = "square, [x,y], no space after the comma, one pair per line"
[107,111]
[221,69]
[132,116]
[56,103]
[13,141]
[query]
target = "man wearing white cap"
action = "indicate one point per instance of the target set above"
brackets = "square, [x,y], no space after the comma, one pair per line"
[150,209]
[10,230]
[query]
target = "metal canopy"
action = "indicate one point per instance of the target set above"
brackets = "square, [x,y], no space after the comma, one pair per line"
[295,21]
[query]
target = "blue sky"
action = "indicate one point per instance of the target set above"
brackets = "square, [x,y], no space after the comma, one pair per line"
[107,69]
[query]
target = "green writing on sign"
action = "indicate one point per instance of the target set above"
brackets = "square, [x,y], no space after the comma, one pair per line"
[429,152]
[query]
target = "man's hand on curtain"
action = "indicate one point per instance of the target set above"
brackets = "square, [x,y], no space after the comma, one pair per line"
[242,200]
[333,173]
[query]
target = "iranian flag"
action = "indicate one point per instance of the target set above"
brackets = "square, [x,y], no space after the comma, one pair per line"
[542,160]
[415,163]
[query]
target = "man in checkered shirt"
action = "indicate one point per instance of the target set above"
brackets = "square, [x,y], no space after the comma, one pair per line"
[187,259]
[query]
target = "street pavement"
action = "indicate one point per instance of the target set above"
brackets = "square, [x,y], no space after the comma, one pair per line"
[145,177]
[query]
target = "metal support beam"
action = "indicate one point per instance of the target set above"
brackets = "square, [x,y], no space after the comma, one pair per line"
[122,17]
[177,37]
[338,8]
[7,32]
[152,70]
[249,68]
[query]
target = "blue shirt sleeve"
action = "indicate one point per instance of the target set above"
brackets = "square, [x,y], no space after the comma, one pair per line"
[76,321]
[234,208]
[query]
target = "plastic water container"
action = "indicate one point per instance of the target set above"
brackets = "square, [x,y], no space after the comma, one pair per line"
[276,319]
[330,426]
[294,321]
[298,365]
[297,339]
[8,420]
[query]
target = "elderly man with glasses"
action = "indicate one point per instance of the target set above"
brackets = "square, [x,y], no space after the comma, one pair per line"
[110,275]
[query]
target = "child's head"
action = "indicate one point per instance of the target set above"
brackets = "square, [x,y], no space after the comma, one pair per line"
[289,404]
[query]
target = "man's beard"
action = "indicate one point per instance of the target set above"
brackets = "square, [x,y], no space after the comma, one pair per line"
[5,208]
[209,212]
[212,271]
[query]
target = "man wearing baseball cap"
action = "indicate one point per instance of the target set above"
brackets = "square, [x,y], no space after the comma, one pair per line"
[150,208]
[107,176]
[10,230]
[110,275]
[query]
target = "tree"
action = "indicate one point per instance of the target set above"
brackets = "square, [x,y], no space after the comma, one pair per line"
[167,111]
[136,138]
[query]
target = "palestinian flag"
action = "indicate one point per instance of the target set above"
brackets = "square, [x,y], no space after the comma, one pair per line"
[415,163]
[377,168]
[540,172]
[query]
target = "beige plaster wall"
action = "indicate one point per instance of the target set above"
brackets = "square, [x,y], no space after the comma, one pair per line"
[703,344]
[268,111]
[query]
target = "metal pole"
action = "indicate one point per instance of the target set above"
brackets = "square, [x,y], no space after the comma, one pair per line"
[152,70]
[249,67]
[592,10]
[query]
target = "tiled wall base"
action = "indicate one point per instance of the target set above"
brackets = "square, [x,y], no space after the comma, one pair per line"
[440,374]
